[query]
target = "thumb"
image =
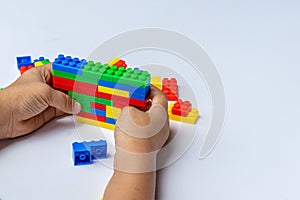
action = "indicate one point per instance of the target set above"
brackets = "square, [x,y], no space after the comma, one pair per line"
[63,102]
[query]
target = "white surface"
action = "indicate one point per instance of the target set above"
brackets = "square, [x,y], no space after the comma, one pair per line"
[256,48]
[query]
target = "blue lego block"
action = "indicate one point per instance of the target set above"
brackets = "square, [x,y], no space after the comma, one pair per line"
[68,64]
[40,59]
[24,61]
[138,96]
[98,112]
[107,83]
[98,149]
[81,154]
[110,120]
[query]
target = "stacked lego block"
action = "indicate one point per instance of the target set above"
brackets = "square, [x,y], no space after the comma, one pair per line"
[24,63]
[183,112]
[101,89]
[85,152]
[170,88]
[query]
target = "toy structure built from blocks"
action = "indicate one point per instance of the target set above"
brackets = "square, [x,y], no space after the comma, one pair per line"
[85,152]
[101,89]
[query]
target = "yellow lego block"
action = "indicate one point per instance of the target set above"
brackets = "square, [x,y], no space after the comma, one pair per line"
[156,81]
[113,91]
[113,61]
[95,123]
[191,118]
[38,64]
[113,112]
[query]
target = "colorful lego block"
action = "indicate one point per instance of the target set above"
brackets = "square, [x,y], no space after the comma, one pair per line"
[182,108]
[98,149]
[136,78]
[98,112]
[25,68]
[113,61]
[110,120]
[95,123]
[121,63]
[23,61]
[156,81]
[113,112]
[40,62]
[68,64]
[112,91]
[92,116]
[81,154]
[191,118]
[170,88]
[98,106]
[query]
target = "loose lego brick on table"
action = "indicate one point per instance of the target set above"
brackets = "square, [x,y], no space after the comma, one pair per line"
[156,81]
[98,149]
[81,154]
[191,118]
[68,64]
[170,88]
[181,108]
[24,61]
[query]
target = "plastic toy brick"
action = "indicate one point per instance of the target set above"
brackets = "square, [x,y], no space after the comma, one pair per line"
[25,68]
[98,106]
[113,61]
[92,116]
[156,81]
[113,112]
[104,95]
[170,88]
[131,89]
[88,99]
[110,120]
[121,63]
[191,118]
[68,64]
[24,61]
[98,112]
[98,149]
[62,86]
[181,108]
[95,123]
[135,78]
[40,62]
[91,72]
[138,96]
[81,154]
[112,91]
[64,74]
[113,74]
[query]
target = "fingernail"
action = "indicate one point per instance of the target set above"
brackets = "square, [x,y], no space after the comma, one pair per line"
[77,107]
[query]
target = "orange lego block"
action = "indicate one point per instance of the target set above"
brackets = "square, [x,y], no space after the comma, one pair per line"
[170,88]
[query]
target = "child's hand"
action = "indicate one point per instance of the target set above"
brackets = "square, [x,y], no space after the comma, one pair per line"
[30,102]
[140,135]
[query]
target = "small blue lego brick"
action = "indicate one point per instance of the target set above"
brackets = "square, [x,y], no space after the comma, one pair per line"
[98,149]
[107,84]
[24,61]
[110,120]
[81,154]
[40,59]
[138,96]
[98,112]
[68,64]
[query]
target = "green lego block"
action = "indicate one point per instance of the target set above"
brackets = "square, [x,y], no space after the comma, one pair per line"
[135,78]
[86,99]
[92,72]
[46,61]
[64,74]
[107,75]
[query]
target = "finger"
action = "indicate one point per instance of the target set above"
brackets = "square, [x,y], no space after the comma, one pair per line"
[158,97]
[40,119]
[63,102]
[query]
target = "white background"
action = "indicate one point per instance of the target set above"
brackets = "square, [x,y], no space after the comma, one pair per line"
[255,45]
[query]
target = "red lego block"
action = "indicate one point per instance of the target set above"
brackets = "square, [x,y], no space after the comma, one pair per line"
[170,88]
[103,95]
[62,86]
[92,116]
[24,68]
[182,108]
[56,79]
[121,63]
[98,106]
